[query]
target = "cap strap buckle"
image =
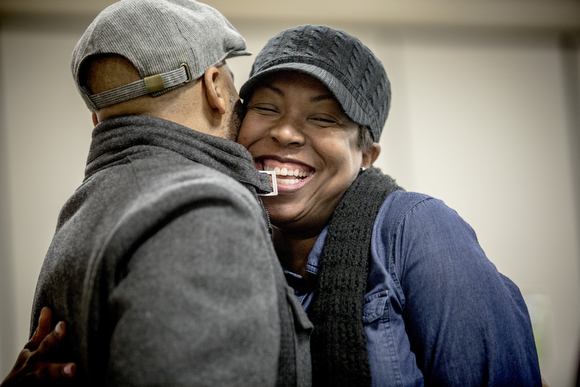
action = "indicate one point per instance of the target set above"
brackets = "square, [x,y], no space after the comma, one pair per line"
[147,85]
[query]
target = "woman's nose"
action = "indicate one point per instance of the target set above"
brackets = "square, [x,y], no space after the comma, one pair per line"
[287,134]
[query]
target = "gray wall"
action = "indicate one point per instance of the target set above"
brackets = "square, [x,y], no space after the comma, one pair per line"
[485,118]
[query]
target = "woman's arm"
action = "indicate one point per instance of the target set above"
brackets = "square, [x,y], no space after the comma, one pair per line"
[33,365]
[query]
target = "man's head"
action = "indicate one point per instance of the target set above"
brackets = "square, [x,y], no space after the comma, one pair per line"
[137,48]
[339,61]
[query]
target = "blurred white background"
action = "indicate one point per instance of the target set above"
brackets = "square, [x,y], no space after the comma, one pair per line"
[485,115]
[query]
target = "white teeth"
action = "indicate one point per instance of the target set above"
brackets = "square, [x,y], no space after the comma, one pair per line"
[287,181]
[285,172]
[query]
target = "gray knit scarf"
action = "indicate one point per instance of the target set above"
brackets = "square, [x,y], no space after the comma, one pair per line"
[338,343]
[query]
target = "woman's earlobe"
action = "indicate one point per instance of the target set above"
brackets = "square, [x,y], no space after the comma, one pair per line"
[371,155]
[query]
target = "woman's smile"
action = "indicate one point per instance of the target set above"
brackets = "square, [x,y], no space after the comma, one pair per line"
[290,174]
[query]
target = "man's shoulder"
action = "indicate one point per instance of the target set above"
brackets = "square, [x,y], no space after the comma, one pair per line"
[153,183]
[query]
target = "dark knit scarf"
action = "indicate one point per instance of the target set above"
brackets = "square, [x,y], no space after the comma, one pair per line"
[338,343]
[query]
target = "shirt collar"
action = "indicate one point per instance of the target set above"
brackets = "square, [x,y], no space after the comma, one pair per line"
[316,253]
[313,258]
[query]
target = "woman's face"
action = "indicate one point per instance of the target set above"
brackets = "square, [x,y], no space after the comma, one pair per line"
[295,127]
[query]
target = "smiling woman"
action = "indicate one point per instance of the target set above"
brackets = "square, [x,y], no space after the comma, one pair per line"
[395,282]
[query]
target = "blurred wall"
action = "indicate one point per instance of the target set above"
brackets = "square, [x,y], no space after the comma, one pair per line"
[484,116]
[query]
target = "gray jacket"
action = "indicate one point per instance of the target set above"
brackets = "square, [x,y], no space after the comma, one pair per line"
[163,268]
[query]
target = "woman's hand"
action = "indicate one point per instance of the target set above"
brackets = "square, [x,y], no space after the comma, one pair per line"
[33,365]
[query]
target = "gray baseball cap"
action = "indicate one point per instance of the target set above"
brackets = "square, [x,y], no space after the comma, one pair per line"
[170,42]
[348,68]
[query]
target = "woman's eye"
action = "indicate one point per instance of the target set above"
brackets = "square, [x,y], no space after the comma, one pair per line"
[264,109]
[323,120]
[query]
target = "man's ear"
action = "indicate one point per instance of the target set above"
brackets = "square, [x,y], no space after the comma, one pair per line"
[371,155]
[213,89]
[95,119]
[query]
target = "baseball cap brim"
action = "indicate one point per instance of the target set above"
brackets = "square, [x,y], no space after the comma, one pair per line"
[344,97]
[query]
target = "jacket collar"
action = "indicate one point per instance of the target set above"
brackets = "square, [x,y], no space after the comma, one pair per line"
[122,132]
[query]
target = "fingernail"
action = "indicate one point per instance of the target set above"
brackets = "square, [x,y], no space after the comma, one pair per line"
[59,328]
[69,369]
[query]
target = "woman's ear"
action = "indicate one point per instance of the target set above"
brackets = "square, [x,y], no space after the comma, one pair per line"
[213,89]
[95,118]
[371,155]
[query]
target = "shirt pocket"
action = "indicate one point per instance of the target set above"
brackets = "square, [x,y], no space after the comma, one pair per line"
[374,307]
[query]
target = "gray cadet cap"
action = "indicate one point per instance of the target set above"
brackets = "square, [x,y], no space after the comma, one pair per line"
[341,62]
[170,42]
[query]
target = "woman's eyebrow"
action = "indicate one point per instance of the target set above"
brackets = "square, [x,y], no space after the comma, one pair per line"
[273,88]
[322,97]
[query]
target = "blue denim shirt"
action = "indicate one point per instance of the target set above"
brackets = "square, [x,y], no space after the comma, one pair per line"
[436,310]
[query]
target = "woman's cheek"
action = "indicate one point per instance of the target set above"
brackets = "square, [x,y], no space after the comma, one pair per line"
[248,131]
[243,137]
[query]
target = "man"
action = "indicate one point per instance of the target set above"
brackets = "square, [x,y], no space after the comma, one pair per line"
[161,263]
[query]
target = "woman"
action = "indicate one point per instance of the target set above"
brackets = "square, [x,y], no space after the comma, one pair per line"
[397,286]
[434,309]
